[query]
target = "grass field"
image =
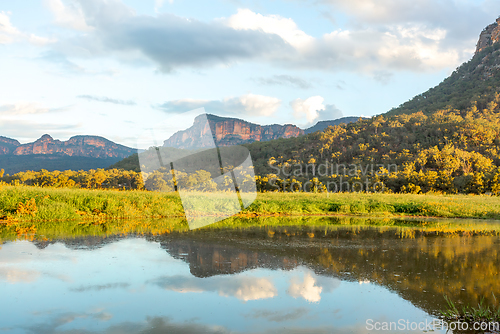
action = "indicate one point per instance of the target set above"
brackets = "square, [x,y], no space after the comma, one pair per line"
[35,204]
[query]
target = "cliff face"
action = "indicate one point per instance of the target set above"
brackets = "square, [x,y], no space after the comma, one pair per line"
[8,145]
[78,146]
[228,131]
[489,36]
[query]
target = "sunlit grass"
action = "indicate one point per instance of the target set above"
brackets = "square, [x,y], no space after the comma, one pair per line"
[36,204]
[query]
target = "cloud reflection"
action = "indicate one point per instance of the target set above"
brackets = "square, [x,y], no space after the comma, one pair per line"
[243,288]
[306,289]
[15,275]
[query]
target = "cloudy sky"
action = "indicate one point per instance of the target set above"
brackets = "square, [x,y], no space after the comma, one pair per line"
[113,68]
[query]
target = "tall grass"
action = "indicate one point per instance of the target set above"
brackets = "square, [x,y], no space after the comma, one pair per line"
[481,313]
[37,204]
[447,206]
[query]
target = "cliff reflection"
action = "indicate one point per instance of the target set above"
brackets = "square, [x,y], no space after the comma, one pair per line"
[419,267]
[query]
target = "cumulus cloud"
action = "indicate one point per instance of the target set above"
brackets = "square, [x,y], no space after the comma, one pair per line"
[306,289]
[313,109]
[243,288]
[68,14]
[10,34]
[16,275]
[167,40]
[171,42]
[287,29]
[250,104]
[285,80]
[107,100]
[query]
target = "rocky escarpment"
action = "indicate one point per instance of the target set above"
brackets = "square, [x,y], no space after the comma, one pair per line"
[228,131]
[78,146]
[489,36]
[8,145]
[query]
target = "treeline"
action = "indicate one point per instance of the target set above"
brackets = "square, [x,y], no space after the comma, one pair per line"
[92,179]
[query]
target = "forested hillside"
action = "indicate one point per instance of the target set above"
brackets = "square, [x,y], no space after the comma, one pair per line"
[474,81]
[452,151]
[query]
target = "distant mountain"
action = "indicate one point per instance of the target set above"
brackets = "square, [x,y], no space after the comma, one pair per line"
[79,146]
[8,145]
[321,125]
[79,152]
[228,131]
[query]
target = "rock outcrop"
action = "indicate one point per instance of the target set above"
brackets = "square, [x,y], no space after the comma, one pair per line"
[77,146]
[8,145]
[489,36]
[228,131]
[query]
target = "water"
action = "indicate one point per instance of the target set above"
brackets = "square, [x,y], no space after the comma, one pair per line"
[254,280]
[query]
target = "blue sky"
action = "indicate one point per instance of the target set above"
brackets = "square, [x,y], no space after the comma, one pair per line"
[114,68]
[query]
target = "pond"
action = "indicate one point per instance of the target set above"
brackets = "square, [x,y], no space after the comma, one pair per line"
[258,279]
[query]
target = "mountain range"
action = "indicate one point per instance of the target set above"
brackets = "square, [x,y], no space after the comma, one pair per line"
[91,152]
[77,153]
[228,131]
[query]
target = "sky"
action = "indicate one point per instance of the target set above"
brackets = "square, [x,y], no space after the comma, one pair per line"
[115,68]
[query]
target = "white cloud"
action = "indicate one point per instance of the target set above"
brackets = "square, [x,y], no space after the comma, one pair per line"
[412,46]
[7,31]
[242,287]
[159,4]
[68,14]
[256,104]
[173,42]
[306,289]
[16,275]
[308,108]
[22,108]
[250,104]
[313,109]
[287,29]
[10,34]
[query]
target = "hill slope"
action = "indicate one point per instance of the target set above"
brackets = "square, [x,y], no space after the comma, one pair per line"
[474,82]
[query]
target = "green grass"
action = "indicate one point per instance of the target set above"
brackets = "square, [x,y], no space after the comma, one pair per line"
[481,313]
[83,204]
[446,206]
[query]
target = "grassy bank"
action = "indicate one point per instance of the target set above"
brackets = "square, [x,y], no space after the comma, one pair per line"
[278,227]
[35,204]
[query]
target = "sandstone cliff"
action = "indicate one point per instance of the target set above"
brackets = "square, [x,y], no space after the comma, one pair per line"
[8,145]
[228,131]
[78,146]
[489,36]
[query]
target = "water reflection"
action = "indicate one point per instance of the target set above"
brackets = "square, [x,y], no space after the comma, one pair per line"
[256,280]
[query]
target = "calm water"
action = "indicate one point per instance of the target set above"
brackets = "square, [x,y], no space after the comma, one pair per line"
[258,280]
